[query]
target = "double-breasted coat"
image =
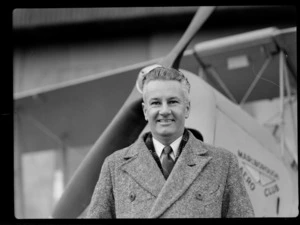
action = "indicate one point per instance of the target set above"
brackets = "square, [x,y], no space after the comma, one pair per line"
[205,182]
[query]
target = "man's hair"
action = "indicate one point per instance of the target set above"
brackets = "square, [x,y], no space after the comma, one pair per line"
[162,73]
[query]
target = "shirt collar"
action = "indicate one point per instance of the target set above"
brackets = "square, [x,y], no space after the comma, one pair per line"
[159,146]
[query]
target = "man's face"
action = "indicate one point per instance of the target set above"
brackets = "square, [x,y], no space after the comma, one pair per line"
[165,109]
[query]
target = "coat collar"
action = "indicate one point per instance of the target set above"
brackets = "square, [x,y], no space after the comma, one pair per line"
[141,166]
[134,149]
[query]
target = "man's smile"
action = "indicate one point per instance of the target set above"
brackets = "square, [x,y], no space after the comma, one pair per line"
[165,121]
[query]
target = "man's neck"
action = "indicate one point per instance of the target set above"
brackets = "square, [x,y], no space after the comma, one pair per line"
[167,140]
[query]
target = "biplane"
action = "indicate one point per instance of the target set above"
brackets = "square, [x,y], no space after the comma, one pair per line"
[233,79]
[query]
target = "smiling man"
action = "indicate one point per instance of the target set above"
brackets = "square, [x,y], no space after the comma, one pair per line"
[166,106]
[168,172]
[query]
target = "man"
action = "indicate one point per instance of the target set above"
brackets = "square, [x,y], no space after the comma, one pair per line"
[168,173]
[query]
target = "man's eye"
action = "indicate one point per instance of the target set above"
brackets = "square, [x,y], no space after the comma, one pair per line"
[154,103]
[173,102]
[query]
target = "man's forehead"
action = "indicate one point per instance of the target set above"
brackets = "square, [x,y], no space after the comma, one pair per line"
[162,84]
[164,89]
[150,97]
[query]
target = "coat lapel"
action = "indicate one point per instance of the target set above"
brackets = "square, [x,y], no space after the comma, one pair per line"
[187,168]
[141,166]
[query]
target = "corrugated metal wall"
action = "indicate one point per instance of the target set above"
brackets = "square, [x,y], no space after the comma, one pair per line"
[23,18]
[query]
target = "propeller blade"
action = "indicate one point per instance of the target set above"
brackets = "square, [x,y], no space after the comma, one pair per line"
[173,58]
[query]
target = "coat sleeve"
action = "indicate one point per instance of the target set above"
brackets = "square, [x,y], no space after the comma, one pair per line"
[102,202]
[236,202]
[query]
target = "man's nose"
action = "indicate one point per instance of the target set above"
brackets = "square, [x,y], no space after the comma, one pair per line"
[165,109]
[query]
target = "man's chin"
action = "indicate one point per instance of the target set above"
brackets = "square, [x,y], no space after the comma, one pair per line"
[166,133]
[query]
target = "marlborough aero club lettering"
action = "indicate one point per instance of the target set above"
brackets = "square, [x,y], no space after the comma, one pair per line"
[254,172]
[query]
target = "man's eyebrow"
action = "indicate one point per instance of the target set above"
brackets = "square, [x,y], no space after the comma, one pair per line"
[174,97]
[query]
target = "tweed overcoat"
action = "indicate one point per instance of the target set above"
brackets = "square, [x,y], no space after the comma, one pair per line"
[205,182]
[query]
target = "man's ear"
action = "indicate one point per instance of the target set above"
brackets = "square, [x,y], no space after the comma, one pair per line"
[145,110]
[188,109]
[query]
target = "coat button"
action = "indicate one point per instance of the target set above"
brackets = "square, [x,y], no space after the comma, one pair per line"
[199,196]
[132,196]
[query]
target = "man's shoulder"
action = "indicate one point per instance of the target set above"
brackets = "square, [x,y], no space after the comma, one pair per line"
[212,150]
[118,154]
[218,151]
[121,154]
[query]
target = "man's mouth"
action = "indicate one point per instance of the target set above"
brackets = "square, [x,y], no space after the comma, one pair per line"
[166,121]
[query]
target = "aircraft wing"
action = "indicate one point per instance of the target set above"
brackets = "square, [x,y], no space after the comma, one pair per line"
[235,62]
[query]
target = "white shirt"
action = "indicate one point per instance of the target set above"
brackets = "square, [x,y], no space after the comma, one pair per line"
[159,147]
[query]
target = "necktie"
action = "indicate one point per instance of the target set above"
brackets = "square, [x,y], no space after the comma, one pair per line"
[167,162]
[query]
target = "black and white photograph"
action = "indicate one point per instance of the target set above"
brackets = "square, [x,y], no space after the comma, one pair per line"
[155,112]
